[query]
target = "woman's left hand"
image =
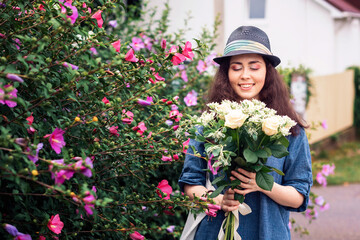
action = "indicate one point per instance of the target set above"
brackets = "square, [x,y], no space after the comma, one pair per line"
[248,182]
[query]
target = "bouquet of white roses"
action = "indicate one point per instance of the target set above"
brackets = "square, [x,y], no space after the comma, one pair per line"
[241,135]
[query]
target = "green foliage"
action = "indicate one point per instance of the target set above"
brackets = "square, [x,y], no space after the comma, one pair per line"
[357,97]
[66,85]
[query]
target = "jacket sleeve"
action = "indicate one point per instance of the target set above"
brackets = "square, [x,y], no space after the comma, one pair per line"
[193,170]
[298,168]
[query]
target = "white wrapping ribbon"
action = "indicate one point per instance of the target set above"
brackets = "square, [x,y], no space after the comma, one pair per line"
[244,209]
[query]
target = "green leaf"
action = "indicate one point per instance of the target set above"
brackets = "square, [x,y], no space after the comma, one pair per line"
[217,191]
[262,153]
[264,180]
[284,141]
[240,161]
[250,156]
[239,197]
[276,170]
[278,150]
[200,138]
[218,179]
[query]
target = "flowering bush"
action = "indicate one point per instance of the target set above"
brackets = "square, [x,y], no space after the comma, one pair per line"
[90,97]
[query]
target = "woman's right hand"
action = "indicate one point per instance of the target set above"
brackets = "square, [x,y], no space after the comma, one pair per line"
[228,203]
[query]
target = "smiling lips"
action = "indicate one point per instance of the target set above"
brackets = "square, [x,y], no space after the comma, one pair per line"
[246,86]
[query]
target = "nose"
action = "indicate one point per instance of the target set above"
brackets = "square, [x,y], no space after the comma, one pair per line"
[245,74]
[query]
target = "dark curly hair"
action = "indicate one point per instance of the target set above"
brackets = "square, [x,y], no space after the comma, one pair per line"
[274,94]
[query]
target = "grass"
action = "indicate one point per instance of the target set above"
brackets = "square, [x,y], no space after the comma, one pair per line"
[347,163]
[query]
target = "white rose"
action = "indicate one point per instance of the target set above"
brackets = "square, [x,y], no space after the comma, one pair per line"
[270,126]
[235,119]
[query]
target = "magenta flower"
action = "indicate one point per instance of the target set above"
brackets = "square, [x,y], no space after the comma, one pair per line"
[319,200]
[55,224]
[69,65]
[163,43]
[147,41]
[84,166]
[89,204]
[191,98]
[178,57]
[325,207]
[144,102]
[114,131]
[98,18]
[140,128]
[324,124]
[14,77]
[166,158]
[185,145]
[22,236]
[94,51]
[10,95]
[201,67]
[137,44]
[187,51]
[117,45]
[17,43]
[56,140]
[74,10]
[113,23]
[209,60]
[130,57]
[164,187]
[214,171]
[136,236]
[105,100]
[62,175]
[212,210]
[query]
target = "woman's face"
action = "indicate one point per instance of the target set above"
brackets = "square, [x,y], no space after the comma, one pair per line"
[247,75]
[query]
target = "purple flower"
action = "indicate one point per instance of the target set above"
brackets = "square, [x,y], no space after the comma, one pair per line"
[94,51]
[170,228]
[325,207]
[11,229]
[327,169]
[14,77]
[209,60]
[113,23]
[36,157]
[169,122]
[72,66]
[319,200]
[324,124]
[191,98]
[10,95]
[174,107]
[184,76]
[321,179]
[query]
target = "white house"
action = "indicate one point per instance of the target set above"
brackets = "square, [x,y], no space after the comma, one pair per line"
[323,35]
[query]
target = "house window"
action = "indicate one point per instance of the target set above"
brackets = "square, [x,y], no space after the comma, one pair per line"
[256,8]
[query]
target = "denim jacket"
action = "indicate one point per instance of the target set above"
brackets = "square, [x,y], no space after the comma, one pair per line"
[268,219]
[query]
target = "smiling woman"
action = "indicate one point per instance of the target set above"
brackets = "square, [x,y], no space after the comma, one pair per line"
[247,71]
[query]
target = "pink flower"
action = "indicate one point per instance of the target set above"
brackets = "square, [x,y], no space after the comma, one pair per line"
[117,45]
[56,140]
[98,18]
[176,157]
[94,51]
[166,158]
[173,113]
[212,210]
[327,169]
[201,67]
[163,43]
[113,131]
[55,224]
[140,128]
[178,57]
[184,76]
[89,204]
[113,23]
[324,124]
[30,119]
[69,65]
[22,236]
[319,201]
[129,118]
[191,98]
[136,236]
[175,127]
[321,179]
[325,207]
[84,166]
[10,95]
[14,77]
[185,144]
[105,100]
[137,44]
[62,175]
[74,10]
[130,57]
[165,188]
[144,102]
[214,171]
[187,51]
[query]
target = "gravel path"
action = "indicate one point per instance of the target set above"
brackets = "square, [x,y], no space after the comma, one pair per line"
[341,221]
